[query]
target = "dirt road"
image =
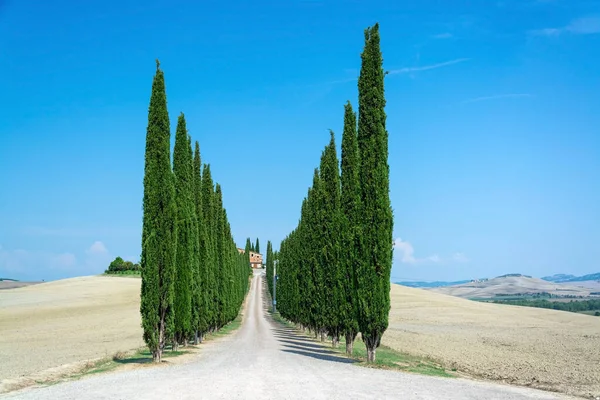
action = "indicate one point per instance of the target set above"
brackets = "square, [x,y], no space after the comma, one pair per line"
[264,360]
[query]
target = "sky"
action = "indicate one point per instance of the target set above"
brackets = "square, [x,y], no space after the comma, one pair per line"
[493,114]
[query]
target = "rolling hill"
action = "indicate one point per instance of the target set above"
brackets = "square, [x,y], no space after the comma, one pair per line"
[512,284]
[572,278]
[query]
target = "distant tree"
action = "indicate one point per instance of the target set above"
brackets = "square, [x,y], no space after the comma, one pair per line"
[375,242]
[158,227]
[118,265]
[257,246]
[597,314]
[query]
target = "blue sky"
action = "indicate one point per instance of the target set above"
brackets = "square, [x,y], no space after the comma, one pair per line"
[493,119]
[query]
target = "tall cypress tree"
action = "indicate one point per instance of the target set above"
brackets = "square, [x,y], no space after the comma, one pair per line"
[350,203]
[198,296]
[158,227]
[220,252]
[210,257]
[248,249]
[257,246]
[330,246]
[187,237]
[375,242]
[315,240]
[269,267]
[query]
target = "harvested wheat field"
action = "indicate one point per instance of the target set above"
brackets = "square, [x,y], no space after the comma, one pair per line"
[51,324]
[553,350]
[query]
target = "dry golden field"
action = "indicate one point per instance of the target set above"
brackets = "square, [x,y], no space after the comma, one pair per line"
[554,350]
[62,322]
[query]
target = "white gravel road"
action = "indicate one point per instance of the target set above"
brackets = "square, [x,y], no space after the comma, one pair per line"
[264,360]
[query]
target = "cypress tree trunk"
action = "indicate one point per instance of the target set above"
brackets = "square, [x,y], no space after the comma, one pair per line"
[375,237]
[350,343]
[158,227]
[335,341]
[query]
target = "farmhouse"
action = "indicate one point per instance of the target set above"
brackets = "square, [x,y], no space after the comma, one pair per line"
[256,259]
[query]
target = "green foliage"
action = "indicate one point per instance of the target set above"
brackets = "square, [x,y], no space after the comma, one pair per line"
[118,265]
[375,244]
[159,236]
[257,246]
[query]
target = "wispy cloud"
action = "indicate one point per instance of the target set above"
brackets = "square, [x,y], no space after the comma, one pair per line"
[38,264]
[579,26]
[21,261]
[460,257]
[406,253]
[495,97]
[97,248]
[427,67]
[445,35]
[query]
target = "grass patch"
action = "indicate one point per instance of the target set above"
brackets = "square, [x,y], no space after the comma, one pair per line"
[389,358]
[227,329]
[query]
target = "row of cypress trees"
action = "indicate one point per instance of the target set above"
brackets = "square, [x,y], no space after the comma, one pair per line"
[193,278]
[334,268]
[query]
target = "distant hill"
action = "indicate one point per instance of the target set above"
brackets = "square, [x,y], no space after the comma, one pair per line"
[431,284]
[558,277]
[13,284]
[572,278]
[512,285]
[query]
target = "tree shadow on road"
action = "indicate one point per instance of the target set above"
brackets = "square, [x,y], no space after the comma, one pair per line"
[305,344]
[319,356]
[311,349]
[297,344]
